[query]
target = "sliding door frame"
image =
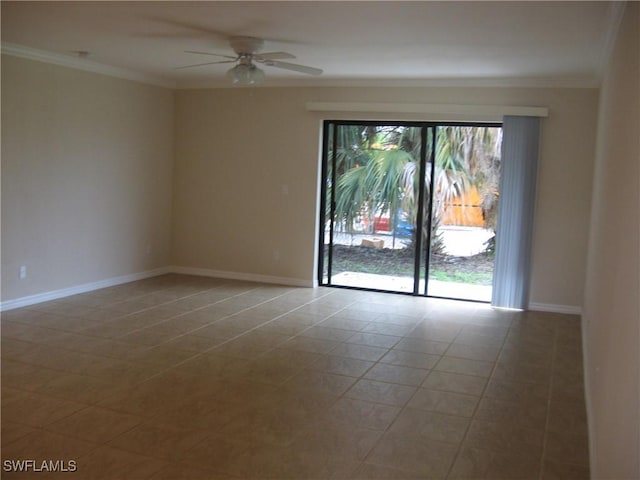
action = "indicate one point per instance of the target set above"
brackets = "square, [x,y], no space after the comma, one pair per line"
[329,128]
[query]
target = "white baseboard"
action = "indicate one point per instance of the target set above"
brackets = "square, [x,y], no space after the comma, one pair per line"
[86,287]
[549,307]
[205,272]
[249,277]
[110,282]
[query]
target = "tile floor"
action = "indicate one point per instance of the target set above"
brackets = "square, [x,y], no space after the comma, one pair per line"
[181,377]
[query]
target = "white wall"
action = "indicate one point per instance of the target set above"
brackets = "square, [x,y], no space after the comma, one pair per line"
[237,148]
[611,320]
[86,177]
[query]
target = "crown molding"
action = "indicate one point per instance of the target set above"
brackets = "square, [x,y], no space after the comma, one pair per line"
[504,82]
[82,64]
[614,20]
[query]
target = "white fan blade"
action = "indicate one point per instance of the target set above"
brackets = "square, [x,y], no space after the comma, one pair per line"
[294,67]
[203,64]
[213,54]
[262,57]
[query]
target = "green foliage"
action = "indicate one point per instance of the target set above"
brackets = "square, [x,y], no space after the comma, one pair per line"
[377,170]
[469,278]
[400,262]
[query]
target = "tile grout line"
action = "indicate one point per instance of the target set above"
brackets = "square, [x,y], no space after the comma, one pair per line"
[395,419]
[549,393]
[270,345]
[86,406]
[124,315]
[404,407]
[117,339]
[475,410]
[199,354]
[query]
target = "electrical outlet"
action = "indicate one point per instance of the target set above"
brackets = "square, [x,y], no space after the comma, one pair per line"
[23,272]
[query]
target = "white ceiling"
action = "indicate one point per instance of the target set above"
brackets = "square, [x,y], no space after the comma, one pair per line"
[355,43]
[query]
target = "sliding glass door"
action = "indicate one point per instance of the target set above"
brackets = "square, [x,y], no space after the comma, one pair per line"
[372,198]
[395,214]
[464,206]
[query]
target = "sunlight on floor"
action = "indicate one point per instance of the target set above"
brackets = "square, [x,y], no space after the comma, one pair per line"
[437,288]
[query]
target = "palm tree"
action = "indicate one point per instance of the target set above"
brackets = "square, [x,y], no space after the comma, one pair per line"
[377,172]
[374,167]
[382,186]
[486,172]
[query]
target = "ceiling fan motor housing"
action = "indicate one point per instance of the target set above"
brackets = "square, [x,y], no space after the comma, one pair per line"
[246,45]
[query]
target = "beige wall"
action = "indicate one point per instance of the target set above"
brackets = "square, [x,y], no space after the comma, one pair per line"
[87,172]
[611,310]
[237,148]
[237,152]
[86,177]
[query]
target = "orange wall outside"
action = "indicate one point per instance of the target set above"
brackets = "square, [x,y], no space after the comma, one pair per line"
[464,210]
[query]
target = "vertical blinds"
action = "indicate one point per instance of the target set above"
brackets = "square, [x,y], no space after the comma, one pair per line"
[512,270]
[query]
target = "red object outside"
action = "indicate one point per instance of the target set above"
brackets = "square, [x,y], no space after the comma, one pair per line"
[381,224]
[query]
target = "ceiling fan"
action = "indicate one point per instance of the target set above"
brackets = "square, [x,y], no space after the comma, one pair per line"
[247,49]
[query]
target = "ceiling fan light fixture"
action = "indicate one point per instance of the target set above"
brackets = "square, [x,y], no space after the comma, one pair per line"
[246,74]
